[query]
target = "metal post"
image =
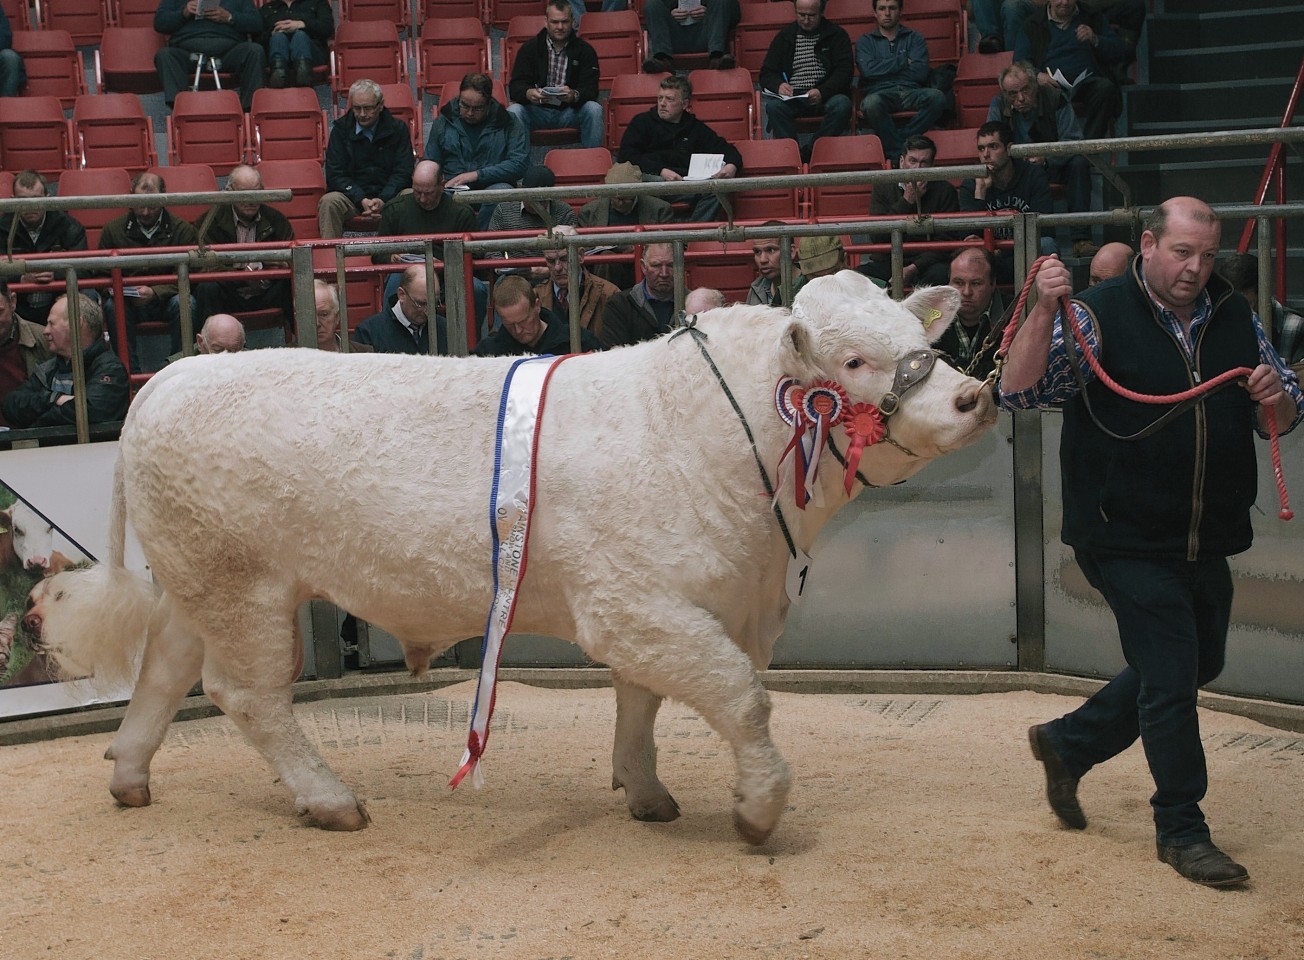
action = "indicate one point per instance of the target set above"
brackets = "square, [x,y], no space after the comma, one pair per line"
[680,292]
[1029,542]
[305,300]
[455,297]
[80,410]
[187,319]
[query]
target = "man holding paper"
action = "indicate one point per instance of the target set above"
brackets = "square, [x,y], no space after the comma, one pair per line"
[554,79]
[1073,48]
[807,73]
[665,141]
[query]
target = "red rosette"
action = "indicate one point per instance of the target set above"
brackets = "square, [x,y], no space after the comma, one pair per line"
[825,400]
[866,426]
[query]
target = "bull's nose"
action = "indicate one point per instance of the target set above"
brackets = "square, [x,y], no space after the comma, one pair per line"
[978,402]
[33,623]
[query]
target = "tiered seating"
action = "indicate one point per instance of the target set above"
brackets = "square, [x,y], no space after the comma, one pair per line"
[17,13]
[451,9]
[112,130]
[854,16]
[6,184]
[837,154]
[286,125]
[618,40]
[448,50]
[124,62]
[188,178]
[726,101]
[132,13]
[401,103]
[759,23]
[976,83]
[54,65]
[368,50]
[501,12]
[631,94]
[308,182]
[363,290]
[944,26]
[95,182]
[728,267]
[397,12]
[208,126]
[85,20]
[34,135]
[581,166]
[768,158]
[955,147]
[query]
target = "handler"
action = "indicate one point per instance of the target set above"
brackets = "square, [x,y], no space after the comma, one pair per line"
[1152,522]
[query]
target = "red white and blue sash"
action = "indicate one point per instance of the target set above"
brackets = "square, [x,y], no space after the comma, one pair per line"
[510,505]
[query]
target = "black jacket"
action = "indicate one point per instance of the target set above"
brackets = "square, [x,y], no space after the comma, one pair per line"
[1186,490]
[530,69]
[317,16]
[360,168]
[107,396]
[832,50]
[384,334]
[653,144]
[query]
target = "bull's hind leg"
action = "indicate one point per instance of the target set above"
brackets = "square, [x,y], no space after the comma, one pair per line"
[689,658]
[634,756]
[169,668]
[250,663]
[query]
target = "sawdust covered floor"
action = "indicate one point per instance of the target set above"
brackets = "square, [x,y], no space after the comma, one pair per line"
[916,828]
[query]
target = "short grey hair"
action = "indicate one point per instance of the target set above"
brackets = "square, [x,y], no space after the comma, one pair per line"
[367,86]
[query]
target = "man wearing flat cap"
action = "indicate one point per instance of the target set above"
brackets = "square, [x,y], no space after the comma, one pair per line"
[819,257]
[622,212]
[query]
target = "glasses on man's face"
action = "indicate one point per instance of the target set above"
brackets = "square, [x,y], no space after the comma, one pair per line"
[472,107]
[419,304]
[366,107]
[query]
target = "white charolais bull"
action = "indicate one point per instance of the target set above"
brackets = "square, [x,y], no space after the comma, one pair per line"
[255,481]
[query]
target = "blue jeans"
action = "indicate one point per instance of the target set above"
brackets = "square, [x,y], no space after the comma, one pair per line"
[879,106]
[1172,620]
[586,116]
[290,46]
[12,73]
[710,34]
[781,116]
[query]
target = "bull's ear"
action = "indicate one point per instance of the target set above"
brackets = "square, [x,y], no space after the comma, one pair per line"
[797,347]
[935,307]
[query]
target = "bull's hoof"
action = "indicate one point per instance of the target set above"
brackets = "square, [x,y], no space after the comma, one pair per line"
[750,832]
[664,811]
[133,796]
[337,818]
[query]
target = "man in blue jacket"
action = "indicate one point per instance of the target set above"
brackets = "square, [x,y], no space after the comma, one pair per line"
[368,160]
[222,30]
[477,143]
[893,62]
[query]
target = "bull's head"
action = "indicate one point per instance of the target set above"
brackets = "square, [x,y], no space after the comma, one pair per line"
[846,328]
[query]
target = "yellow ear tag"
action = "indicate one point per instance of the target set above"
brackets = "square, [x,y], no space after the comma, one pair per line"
[930,317]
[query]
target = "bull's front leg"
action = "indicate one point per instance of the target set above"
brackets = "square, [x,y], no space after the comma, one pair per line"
[634,756]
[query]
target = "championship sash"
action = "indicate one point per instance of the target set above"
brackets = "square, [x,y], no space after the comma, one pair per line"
[510,504]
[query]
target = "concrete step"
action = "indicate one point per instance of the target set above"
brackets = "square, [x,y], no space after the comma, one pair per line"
[1215,181]
[1194,31]
[1210,105]
[1162,7]
[1277,58]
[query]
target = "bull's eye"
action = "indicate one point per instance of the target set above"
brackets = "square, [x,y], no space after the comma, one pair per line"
[853,363]
[58,596]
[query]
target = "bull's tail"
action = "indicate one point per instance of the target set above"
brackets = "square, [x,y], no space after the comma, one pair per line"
[95,621]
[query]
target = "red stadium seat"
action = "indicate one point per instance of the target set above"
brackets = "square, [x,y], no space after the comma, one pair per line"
[368,50]
[188,178]
[725,100]
[618,40]
[308,182]
[363,285]
[95,182]
[112,130]
[54,65]
[768,158]
[6,184]
[84,19]
[34,135]
[944,26]
[133,13]
[448,50]
[728,267]
[286,124]
[451,9]
[976,84]
[401,103]
[17,13]
[207,126]
[752,37]
[854,16]
[397,12]
[954,148]
[578,166]
[501,12]
[124,62]
[837,154]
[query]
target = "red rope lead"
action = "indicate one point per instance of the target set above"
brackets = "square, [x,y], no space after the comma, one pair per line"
[1209,385]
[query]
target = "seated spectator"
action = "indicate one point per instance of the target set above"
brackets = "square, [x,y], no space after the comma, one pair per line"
[526,328]
[39,231]
[623,212]
[809,60]
[13,73]
[662,141]
[1007,31]
[403,326]
[477,143]
[702,299]
[912,198]
[245,223]
[327,302]
[223,31]
[819,257]
[647,309]
[1111,260]
[295,33]
[142,228]
[221,333]
[1082,49]
[554,293]
[893,62]
[1285,327]
[45,398]
[1041,114]
[554,80]
[973,338]
[368,160]
[23,346]
[533,214]
[767,253]
[672,28]
[1010,184]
